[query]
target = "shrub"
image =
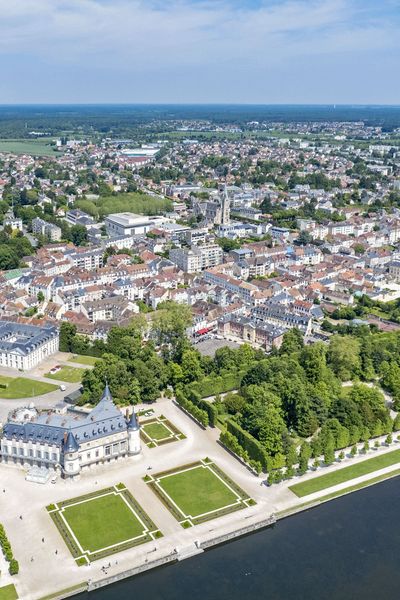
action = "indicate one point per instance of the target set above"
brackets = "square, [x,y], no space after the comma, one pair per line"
[14,567]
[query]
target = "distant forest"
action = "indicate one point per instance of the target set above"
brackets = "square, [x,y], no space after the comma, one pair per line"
[121,120]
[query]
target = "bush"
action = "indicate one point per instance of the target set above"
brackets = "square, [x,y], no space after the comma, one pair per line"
[14,567]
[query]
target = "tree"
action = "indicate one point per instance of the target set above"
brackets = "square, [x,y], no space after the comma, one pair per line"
[329,450]
[292,341]
[341,455]
[344,356]
[353,450]
[389,439]
[40,297]
[79,235]
[191,367]
[304,457]
[67,334]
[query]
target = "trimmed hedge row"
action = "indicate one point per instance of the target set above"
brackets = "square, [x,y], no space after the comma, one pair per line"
[249,443]
[13,566]
[197,413]
[231,443]
[216,384]
[254,448]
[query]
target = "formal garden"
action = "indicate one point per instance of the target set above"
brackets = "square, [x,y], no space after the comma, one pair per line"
[159,431]
[198,492]
[102,523]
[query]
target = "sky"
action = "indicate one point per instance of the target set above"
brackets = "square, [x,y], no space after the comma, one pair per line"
[195,51]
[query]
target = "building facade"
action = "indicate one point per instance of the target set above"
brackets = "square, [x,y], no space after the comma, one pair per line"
[25,346]
[69,442]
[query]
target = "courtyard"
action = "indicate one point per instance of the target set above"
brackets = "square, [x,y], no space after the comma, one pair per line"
[158,431]
[198,492]
[102,523]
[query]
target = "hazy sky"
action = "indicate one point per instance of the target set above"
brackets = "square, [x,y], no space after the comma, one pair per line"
[256,51]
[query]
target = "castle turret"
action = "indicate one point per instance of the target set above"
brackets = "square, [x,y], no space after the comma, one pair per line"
[71,455]
[133,427]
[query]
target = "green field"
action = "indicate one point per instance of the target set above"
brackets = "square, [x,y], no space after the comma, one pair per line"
[20,387]
[8,592]
[198,492]
[158,431]
[70,374]
[330,479]
[135,202]
[102,523]
[84,360]
[40,147]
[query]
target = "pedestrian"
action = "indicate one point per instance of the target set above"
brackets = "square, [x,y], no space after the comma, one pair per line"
[43,540]
[4,491]
[32,559]
[20,516]
[56,551]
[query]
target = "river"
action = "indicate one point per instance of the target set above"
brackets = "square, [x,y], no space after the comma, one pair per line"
[346,549]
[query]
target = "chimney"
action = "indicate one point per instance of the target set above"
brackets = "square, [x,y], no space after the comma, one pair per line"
[65,437]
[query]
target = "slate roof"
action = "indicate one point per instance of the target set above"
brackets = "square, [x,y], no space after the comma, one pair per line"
[105,419]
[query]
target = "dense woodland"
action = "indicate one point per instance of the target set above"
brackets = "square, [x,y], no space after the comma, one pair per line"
[324,396]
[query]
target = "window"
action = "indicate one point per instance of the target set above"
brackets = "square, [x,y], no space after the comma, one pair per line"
[115,448]
[97,454]
[21,451]
[46,455]
[88,455]
[108,450]
[54,456]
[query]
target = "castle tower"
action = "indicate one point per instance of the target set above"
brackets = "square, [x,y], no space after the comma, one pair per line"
[134,444]
[72,466]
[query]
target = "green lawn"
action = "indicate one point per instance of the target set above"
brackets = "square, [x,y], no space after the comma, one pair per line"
[84,360]
[102,522]
[357,470]
[197,491]
[20,387]
[156,431]
[8,592]
[70,374]
[39,147]
[136,202]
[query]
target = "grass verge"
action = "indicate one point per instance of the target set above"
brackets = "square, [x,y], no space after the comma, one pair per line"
[304,488]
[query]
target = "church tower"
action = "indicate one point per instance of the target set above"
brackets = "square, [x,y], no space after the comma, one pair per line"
[225,206]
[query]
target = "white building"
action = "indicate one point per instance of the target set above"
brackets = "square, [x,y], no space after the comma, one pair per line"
[26,346]
[126,224]
[71,441]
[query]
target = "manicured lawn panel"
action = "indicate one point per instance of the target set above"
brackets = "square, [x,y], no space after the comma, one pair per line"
[102,522]
[8,592]
[102,519]
[197,491]
[84,360]
[21,387]
[156,431]
[336,477]
[70,374]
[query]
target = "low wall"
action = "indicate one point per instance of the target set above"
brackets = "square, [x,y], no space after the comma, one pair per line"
[237,532]
[158,562]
